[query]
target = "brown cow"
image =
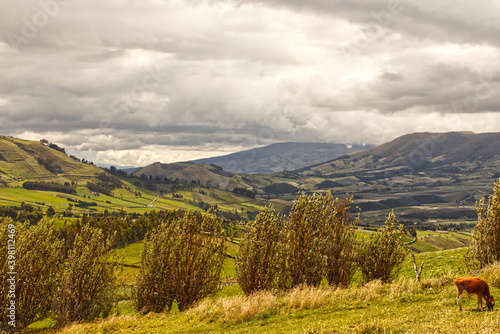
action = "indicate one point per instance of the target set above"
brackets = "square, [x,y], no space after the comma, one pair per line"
[477,286]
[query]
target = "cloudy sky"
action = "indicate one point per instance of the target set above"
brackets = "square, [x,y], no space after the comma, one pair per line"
[130,82]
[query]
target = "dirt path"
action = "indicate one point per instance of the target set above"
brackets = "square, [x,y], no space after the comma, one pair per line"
[151,203]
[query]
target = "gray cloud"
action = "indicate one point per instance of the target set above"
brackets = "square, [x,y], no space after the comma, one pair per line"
[121,79]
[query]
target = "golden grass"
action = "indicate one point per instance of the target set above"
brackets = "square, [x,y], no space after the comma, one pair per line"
[237,308]
[491,274]
[263,304]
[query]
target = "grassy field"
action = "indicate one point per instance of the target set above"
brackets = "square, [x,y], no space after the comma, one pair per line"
[126,200]
[403,306]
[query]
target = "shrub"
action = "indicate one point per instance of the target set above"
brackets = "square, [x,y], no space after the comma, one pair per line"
[338,234]
[153,289]
[258,256]
[182,261]
[88,278]
[381,257]
[36,257]
[485,246]
[302,260]
[318,240]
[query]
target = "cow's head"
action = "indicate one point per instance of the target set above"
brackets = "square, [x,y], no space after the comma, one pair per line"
[490,302]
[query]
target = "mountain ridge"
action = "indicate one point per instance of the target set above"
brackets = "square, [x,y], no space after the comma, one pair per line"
[278,157]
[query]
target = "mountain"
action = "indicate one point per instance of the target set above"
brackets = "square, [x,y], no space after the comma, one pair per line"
[281,156]
[434,153]
[425,175]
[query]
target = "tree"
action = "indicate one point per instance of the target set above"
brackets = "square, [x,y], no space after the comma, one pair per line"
[381,257]
[485,247]
[51,211]
[302,261]
[182,261]
[338,234]
[88,278]
[257,261]
[153,288]
[36,255]
[316,239]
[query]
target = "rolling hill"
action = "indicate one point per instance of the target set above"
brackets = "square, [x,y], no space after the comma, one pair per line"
[281,156]
[207,175]
[425,175]
[421,176]
[37,161]
[435,153]
[41,175]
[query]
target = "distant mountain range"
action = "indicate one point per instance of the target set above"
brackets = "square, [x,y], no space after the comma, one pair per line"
[281,156]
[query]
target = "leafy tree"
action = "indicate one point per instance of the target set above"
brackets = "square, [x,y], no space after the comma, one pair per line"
[381,257]
[257,261]
[51,211]
[153,289]
[485,247]
[88,277]
[36,263]
[302,261]
[182,260]
[339,239]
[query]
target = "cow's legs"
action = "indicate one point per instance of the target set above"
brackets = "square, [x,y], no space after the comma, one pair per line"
[459,301]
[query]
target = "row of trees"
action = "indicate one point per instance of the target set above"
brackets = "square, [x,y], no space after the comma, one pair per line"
[49,186]
[69,274]
[316,240]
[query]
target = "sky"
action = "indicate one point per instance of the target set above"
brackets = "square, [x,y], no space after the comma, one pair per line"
[132,82]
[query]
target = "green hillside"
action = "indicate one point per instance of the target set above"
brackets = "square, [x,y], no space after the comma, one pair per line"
[23,160]
[192,187]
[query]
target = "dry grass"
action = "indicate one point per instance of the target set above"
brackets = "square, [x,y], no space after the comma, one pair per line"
[237,308]
[491,274]
[100,326]
[264,304]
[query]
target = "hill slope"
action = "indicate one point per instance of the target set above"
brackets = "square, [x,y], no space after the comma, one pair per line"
[34,161]
[426,175]
[22,161]
[212,176]
[437,153]
[281,156]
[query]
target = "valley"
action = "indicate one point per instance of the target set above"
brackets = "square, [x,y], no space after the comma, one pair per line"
[422,176]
